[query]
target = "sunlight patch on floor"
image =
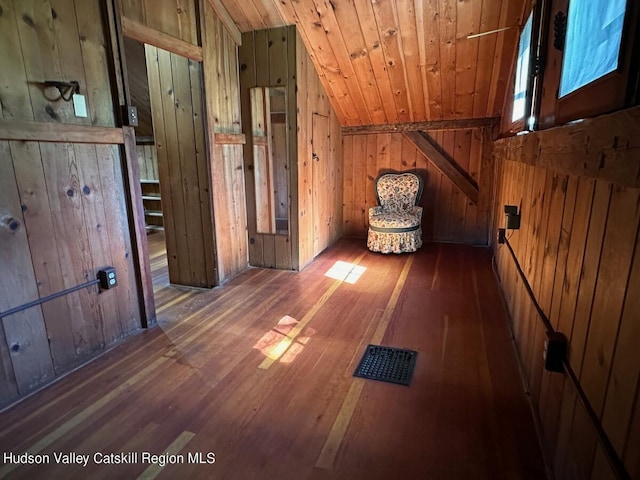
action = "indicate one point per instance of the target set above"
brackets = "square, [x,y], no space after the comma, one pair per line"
[282,343]
[345,271]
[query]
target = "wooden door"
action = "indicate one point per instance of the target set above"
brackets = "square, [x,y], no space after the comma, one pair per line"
[321,182]
[175,90]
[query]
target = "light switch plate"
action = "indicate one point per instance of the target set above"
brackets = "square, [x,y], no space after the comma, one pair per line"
[79,105]
[130,115]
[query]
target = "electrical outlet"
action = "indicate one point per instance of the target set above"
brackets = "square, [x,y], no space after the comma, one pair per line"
[513,217]
[502,238]
[510,210]
[513,222]
[107,277]
[130,115]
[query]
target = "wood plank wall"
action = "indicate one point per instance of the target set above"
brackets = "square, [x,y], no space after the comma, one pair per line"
[175,90]
[147,162]
[267,59]
[320,178]
[62,205]
[448,214]
[222,90]
[75,50]
[176,18]
[195,21]
[578,190]
[277,57]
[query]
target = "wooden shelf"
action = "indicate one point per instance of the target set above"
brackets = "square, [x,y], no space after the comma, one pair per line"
[152,203]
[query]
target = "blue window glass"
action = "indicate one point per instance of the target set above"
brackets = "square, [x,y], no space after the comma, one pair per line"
[522,71]
[592,47]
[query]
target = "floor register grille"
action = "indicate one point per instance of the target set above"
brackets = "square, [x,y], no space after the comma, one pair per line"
[387,364]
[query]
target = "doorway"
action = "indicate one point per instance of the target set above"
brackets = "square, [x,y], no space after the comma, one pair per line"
[166,89]
[321,181]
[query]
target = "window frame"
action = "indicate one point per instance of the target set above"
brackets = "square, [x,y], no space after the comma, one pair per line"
[530,70]
[521,124]
[609,92]
[614,91]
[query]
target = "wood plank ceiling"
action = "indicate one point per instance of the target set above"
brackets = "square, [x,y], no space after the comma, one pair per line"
[396,61]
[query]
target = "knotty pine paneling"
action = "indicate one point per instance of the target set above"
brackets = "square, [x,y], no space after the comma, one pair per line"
[58,40]
[319,178]
[578,246]
[63,204]
[386,62]
[177,18]
[448,215]
[69,219]
[222,100]
[267,59]
[277,57]
[147,161]
[219,92]
[177,110]
[26,358]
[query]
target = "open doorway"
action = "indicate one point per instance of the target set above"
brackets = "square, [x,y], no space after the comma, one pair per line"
[138,82]
[167,90]
[147,161]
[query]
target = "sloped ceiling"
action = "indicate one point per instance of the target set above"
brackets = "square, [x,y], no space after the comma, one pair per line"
[397,61]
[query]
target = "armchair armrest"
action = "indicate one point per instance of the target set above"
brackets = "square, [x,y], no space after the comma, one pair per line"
[377,210]
[416,210]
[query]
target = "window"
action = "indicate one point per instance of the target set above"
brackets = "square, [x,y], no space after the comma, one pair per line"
[522,72]
[575,59]
[592,45]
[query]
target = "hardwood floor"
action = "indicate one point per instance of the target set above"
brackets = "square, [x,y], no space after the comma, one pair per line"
[258,372]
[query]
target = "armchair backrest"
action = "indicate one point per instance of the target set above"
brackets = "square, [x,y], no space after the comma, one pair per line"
[397,192]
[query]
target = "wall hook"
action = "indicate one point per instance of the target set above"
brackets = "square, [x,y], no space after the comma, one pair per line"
[66,89]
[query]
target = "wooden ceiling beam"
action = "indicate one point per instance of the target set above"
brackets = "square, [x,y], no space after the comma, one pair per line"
[141,33]
[454,124]
[447,166]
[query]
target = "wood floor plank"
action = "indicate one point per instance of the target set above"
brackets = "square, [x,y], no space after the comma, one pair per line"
[174,449]
[465,414]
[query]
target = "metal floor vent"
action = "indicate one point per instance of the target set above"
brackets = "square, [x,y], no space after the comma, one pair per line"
[387,364]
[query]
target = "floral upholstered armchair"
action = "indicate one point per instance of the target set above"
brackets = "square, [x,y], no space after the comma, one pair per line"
[395,224]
